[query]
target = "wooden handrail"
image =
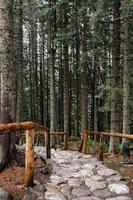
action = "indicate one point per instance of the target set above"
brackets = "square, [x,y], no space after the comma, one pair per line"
[120,135]
[8,128]
[86,133]
[30,128]
[65,136]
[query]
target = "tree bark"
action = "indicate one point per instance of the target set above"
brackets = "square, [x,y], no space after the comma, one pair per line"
[6,24]
[66,73]
[126,80]
[84,74]
[114,142]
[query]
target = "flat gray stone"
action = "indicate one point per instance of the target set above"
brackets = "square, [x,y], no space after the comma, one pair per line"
[52,188]
[54,196]
[41,198]
[106,171]
[66,191]
[118,188]
[80,192]
[87,198]
[86,172]
[86,156]
[57,179]
[119,198]
[30,197]
[102,193]
[74,182]
[114,178]
[95,185]
[97,178]
[77,174]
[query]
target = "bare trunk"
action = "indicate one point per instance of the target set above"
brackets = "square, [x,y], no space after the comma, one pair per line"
[6,75]
[84,75]
[126,81]
[19,57]
[66,75]
[114,142]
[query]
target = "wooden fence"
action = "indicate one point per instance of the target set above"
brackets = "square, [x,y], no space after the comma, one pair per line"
[65,137]
[86,133]
[31,128]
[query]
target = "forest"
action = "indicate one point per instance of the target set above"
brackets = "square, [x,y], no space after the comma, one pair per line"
[67,65]
[66,69]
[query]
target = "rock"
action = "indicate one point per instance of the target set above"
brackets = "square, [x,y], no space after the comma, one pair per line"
[41,198]
[57,179]
[30,197]
[39,191]
[86,156]
[73,182]
[52,188]
[4,195]
[54,196]
[80,192]
[88,166]
[102,193]
[114,178]
[95,185]
[106,171]
[86,172]
[119,198]
[97,178]
[77,175]
[87,198]
[66,191]
[118,188]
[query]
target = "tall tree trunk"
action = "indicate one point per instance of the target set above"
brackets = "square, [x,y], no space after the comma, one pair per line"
[114,142]
[19,62]
[6,24]
[126,80]
[84,74]
[77,43]
[52,23]
[66,72]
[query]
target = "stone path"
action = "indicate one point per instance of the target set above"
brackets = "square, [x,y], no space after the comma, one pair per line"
[80,177]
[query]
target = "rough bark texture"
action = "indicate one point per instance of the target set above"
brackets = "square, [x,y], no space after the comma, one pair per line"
[84,75]
[6,74]
[66,75]
[52,75]
[19,61]
[114,142]
[126,81]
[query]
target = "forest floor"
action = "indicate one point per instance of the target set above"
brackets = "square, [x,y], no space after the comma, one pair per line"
[12,177]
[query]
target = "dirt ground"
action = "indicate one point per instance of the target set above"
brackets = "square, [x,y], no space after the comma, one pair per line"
[12,177]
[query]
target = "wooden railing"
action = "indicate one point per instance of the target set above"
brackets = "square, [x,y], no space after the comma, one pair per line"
[65,136]
[86,134]
[30,128]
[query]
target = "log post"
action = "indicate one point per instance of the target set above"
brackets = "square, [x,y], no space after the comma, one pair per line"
[47,144]
[100,157]
[85,142]
[29,158]
[65,140]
